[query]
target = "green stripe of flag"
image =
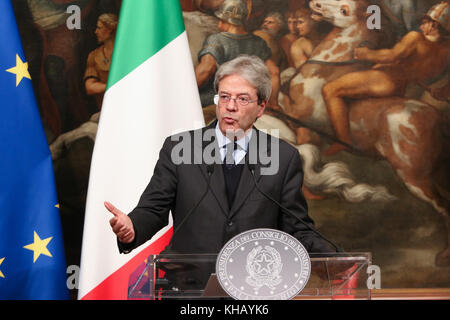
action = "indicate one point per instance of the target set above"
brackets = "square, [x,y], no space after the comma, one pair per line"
[145,27]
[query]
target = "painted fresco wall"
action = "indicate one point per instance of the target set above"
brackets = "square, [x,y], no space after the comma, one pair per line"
[386,191]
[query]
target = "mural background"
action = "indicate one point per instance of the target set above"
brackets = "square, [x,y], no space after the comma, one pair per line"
[404,235]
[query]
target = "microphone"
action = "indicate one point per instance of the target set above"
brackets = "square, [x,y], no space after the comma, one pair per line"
[252,170]
[210,171]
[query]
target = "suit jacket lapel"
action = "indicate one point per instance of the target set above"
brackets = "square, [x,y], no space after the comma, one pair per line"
[218,188]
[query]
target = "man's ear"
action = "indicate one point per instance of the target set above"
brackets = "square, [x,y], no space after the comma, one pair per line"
[262,106]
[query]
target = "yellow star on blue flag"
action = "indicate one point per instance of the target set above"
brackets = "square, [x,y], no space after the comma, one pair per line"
[1,274]
[20,70]
[39,247]
[29,220]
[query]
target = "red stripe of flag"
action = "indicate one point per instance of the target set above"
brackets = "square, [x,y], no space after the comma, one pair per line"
[115,287]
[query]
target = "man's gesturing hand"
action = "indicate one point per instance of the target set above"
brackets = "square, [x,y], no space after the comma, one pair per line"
[121,224]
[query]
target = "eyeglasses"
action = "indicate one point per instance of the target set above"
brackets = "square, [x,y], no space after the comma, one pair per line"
[225,99]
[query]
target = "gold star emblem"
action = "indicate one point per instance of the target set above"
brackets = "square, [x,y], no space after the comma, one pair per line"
[20,70]
[39,247]
[1,274]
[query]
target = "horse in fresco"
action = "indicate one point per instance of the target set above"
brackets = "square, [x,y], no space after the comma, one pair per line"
[407,133]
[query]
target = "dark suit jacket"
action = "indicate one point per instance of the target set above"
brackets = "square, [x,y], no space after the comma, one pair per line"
[178,188]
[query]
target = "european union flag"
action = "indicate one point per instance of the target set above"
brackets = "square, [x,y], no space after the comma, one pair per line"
[32,262]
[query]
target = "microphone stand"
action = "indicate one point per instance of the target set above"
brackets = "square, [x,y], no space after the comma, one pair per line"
[252,171]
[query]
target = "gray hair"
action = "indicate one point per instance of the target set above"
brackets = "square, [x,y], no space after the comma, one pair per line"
[278,17]
[252,69]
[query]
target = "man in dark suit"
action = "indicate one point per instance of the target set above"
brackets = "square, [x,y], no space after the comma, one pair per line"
[210,174]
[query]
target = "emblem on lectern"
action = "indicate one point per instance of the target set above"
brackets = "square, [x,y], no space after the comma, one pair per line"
[263,264]
[264,267]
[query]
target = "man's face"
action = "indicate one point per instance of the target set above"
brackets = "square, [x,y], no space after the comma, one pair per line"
[102,32]
[292,25]
[232,116]
[430,30]
[223,26]
[272,25]
[304,25]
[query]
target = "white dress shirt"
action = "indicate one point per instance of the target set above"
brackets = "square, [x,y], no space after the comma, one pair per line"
[240,152]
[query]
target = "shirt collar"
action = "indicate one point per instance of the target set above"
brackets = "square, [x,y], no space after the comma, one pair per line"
[223,140]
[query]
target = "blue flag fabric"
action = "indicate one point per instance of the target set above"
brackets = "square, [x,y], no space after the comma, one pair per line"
[32,262]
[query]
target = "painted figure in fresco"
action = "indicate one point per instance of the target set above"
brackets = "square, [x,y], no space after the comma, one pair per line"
[232,41]
[398,129]
[271,31]
[288,39]
[257,9]
[62,105]
[330,59]
[308,39]
[301,50]
[95,78]
[420,57]
[99,60]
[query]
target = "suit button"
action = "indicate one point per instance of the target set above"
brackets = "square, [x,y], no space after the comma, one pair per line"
[230,223]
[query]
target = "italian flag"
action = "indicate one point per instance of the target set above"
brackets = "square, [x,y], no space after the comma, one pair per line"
[151,94]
